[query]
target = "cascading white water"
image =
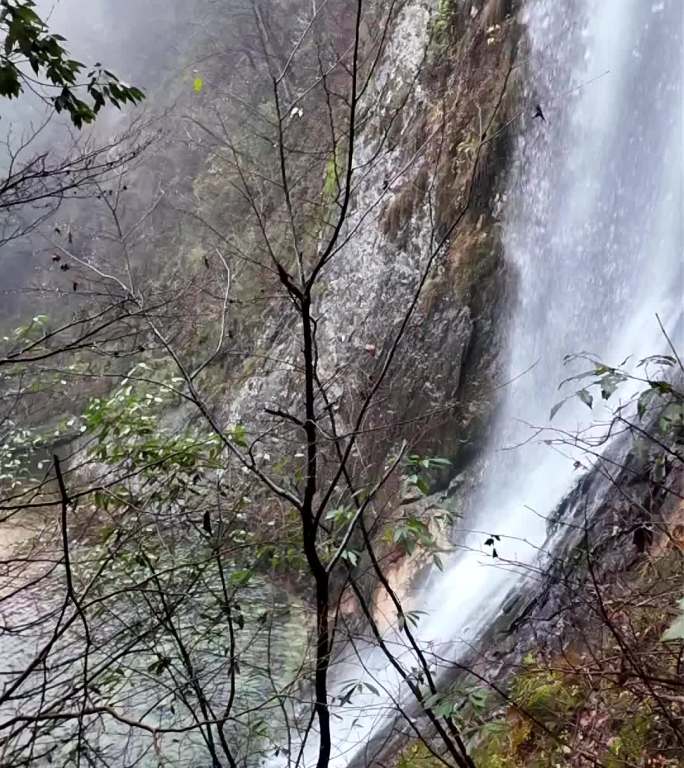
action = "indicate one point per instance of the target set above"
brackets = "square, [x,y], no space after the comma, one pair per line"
[593,227]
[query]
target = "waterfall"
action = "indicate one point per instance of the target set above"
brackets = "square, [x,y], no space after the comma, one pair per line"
[592,227]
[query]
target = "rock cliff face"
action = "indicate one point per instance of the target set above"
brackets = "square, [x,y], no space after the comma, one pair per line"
[430,164]
[430,160]
[445,77]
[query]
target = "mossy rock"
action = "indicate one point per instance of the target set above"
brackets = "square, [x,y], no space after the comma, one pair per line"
[513,742]
[501,741]
[417,755]
[546,695]
[630,745]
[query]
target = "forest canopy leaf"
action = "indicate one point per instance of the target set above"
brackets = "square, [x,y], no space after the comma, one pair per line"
[58,80]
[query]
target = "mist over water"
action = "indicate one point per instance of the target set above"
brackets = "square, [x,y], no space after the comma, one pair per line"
[148,44]
[593,229]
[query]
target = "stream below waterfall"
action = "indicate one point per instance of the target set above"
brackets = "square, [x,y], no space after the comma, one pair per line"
[30,615]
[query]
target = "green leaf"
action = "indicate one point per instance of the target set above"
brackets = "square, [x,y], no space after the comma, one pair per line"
[198,84]
[423,486]
[433,700]
[645,400]
[445,708]
[240,578]
[478,697]
[350,556]
[28,39]
[585,397]
[158,666]
[340,514]
[106,532]
[438,461]
[239,435]
[672,416]
[664,387]
[9,81]
[414,616]
[666,360]
[585,374]
[610,383]
[556,408]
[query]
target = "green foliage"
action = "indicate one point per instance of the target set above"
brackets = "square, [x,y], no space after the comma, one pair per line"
[16,451]
[333,176]
[340,516]
[500,742]
[442,23]
[655,391]
[410,618]
[544,694]
[126,427]
[34,330]
[411,533]
[285,554]
[472,700]
[419,469]
[285,557]
[28,43]
[238,435]
[628,747]
[25,447]
[353,687]
[418,756]
[513,742]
